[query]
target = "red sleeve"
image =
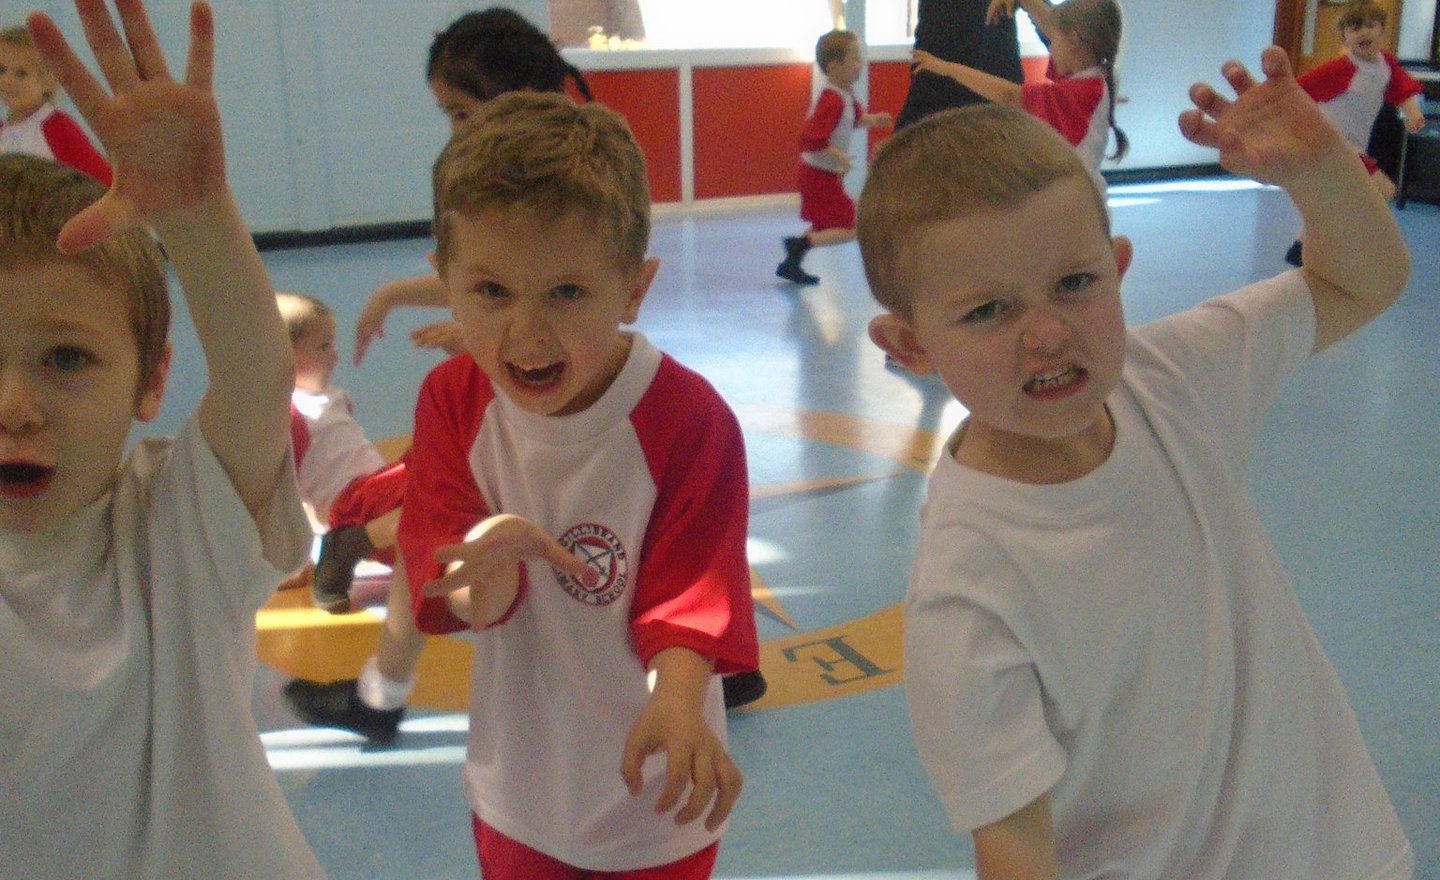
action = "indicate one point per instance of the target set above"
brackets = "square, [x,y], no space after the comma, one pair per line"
[1329,80]
[1402,86]
[694,578]
[1066,104]
[70,145]
[815,136]
[442,501]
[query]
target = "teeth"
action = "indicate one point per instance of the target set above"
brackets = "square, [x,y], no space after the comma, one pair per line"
[1057,377]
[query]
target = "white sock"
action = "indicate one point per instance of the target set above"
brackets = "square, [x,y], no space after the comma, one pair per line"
[380,693]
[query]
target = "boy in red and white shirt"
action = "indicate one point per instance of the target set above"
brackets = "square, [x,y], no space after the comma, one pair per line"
[606,584]
[1352,88]
[825,154]
[33,124]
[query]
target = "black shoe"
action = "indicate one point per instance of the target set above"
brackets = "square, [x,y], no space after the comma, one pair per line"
[789,268]
[1294,256]
[743,688]
[340,550]
[338,704]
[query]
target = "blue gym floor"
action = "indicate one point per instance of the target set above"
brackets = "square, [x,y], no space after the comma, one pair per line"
[1347,477]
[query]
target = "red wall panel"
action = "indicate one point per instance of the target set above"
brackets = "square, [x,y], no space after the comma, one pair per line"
[650,102]
[889,81]
[747,128]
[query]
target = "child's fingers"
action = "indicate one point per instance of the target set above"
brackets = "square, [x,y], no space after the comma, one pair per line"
[702,790]
[148,60]
[94,224]
[1197,129]
[1238,76]
[82,87]
[567,563]
[728,782]
[200,63]
[1274,62]
[638,747]
[111,52]
[679,770]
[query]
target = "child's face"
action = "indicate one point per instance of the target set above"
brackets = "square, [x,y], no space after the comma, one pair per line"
[1018,310]
[457,104]
[540,305]
[69,370]
[315,356]
[1363,41]
[846,72]
[1069,55]
[24,81]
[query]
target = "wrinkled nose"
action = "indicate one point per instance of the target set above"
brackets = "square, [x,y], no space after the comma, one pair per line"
[1044,333]
[531,325]
[19,405]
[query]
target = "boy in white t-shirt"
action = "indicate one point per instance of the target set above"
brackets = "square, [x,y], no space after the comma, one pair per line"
[1108,672]
[129,584]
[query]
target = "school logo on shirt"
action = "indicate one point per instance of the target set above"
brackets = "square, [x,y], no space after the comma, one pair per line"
[599,548]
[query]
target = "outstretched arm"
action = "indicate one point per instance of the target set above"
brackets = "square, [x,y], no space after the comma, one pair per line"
[164,139]
[1038,10]
[1355,258]
[988,86]
[422,290]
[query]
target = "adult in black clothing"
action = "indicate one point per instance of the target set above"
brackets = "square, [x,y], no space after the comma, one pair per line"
[955,30]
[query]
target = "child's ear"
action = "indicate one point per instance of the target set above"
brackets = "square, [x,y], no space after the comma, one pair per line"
[639,286]
[147,402]
[897,338]
[1124,253]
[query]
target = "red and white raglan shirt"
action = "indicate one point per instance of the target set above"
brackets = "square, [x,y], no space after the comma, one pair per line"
[833,118]
[50,133]
[1351,91]
[1077,106]
[649,486]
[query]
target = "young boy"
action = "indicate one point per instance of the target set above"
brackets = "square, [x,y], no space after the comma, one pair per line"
[825,154]
[129,583]
[606,583]
[348,484]
[1352,88]
[1107,670]
[33,124]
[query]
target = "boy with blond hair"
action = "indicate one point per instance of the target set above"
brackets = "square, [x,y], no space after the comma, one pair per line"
[33,124]
[606,583]
[1107,670]
[129,583]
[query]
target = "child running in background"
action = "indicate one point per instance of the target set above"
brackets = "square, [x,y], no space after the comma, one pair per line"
[825,154]
[129,583]
[1108,671]
[479,56]
[33,124]
[1352,89]
[1077,98]
[606,582]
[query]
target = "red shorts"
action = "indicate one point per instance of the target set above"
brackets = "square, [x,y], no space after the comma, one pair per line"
[371,497]
[824,204]
[504,859]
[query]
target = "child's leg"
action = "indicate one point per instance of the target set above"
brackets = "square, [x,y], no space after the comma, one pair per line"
[834,235]
[400,641]
[363,520]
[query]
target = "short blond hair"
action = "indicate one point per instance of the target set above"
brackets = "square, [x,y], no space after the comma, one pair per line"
[832,46]
[37,198]
[1360,13]
[18,35]
[950,165]
[548,155]
[301,313]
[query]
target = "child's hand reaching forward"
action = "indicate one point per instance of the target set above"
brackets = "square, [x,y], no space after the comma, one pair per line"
[163,137]
[1271,131]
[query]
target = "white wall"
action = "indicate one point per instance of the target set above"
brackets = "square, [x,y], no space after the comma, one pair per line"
[328,122]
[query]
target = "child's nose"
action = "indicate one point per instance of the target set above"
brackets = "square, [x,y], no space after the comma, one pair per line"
[1045,332]
[19,406]
[531,323]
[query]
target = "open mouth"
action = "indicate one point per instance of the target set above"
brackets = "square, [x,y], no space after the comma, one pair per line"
[23,480]
[536,378]
[1055,380]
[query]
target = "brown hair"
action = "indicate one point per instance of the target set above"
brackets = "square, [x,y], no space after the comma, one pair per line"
[832,46]
[544,153]
[37,198]
[949,165]
[300,313]
[1097,25]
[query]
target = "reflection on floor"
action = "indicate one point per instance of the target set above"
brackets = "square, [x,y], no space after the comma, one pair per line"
[1346,475]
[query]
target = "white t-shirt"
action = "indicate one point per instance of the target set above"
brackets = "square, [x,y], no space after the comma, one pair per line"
[1129,643]
[127,745]
[338,451]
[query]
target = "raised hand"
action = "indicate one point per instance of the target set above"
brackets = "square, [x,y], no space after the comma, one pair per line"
[162,136]
[1270,131]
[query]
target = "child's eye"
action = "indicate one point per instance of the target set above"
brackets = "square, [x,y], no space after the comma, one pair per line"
[567,292]
[986,312]
[491,290]
[68,358]
[1076,283]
